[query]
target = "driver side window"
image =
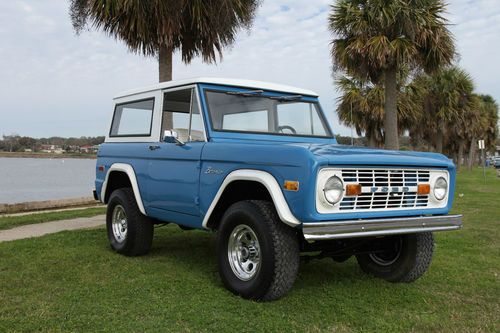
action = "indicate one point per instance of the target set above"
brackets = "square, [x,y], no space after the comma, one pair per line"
[181,113]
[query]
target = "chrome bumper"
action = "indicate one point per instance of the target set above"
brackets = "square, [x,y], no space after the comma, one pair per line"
[379,227]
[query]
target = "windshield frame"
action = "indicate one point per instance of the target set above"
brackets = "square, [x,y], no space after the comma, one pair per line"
[266,94]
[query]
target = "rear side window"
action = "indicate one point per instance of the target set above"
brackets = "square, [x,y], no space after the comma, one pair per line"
[133,119]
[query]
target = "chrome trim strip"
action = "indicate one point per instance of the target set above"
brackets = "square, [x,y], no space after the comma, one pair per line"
[379,227]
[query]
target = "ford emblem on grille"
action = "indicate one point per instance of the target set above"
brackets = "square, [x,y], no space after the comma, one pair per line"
[392,189]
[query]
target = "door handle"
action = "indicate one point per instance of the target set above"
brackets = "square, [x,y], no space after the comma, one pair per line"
[154,147]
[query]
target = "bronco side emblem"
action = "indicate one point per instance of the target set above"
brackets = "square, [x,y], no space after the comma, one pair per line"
[212,171]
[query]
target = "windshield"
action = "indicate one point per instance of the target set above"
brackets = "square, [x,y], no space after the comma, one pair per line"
[253,113]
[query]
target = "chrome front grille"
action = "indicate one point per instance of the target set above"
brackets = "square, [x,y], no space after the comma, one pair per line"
[385,189]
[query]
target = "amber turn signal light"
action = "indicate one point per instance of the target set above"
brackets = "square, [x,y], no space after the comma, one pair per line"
[291,185]
[352,190]
[423,189]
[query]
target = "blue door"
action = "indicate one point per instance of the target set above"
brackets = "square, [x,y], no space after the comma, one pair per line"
[174,167]
[174,173]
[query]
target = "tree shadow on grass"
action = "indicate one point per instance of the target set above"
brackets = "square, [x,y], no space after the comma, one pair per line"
[194,251]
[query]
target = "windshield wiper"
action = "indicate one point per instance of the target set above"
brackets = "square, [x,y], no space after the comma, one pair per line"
[286,98]
[258,93]
[246,93]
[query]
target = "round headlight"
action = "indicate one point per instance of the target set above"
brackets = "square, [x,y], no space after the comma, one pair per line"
[440,188]
[333,190]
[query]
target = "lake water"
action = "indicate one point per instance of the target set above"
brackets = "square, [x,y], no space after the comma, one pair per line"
[35,179]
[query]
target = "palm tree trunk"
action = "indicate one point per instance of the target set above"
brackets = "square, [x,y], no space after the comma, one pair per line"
[165,74]
[472,153]
[460,158]
[414,140]
[440,137]
[439,143]
[390,108]
[165,63]
[371,141]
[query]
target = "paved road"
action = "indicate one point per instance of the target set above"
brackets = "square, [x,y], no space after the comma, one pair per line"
[40,229]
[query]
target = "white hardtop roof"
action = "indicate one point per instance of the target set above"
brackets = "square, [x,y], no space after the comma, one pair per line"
[221,81]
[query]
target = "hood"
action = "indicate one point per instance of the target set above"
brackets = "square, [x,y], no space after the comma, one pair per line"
[329,154]
[348,155]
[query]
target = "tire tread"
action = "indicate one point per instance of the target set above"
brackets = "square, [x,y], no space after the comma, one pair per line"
[140,227]
[286,252]
[417,259]
[424,251]
[277,275]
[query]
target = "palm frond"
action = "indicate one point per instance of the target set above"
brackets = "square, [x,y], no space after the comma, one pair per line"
[195,27]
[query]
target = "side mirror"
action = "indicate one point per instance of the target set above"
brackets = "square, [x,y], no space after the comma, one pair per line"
[171,136]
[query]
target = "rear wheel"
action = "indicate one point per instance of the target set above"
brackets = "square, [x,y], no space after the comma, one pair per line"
[129,231]
[258,255]
[404,258]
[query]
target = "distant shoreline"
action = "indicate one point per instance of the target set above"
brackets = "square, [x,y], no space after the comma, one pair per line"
[46,155]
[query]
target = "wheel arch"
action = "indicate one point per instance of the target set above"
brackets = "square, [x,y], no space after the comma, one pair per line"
[121,175]
[257,184]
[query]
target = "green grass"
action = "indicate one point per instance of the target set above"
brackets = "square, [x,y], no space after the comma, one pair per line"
[72,281]
[7,222]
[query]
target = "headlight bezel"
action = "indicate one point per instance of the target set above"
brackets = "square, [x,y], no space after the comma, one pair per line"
[441,184]
[335,184]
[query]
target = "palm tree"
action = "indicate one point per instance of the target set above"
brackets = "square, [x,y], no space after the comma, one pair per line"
[361,105]
[448,106]
[484,126]
[160,27]
[375,38]
[489,112]
[465,128]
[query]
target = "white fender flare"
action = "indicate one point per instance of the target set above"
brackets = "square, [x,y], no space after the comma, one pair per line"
[272,187]
[127,168]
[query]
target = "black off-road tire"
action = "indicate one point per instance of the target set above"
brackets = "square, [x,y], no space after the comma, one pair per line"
[413,261]
[279,251]
[139,236]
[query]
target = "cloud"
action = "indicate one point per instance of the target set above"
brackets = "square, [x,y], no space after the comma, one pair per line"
[57,83]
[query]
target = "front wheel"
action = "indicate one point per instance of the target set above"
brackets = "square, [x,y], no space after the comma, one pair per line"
[403,258]
[258,255]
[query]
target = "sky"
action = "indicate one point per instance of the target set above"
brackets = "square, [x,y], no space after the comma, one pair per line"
[55,83]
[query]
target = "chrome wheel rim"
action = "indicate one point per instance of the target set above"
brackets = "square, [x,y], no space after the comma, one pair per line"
[388,258]
[119,223]
[243,252]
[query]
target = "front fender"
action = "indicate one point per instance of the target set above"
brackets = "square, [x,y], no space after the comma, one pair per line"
[265,179]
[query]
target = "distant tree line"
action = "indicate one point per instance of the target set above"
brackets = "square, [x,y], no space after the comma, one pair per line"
[394,65]
[440,112]
[405,141]
[17,143]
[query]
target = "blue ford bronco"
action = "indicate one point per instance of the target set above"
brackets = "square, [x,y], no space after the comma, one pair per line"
[258,163]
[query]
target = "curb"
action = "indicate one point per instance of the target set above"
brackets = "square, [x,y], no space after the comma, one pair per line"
[45,205]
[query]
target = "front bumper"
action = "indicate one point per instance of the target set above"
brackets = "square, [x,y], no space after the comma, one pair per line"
[379,227]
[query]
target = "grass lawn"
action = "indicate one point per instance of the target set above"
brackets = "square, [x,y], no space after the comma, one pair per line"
[72,281]
[7,222]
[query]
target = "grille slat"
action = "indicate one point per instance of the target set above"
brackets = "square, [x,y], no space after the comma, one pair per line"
[394,178]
